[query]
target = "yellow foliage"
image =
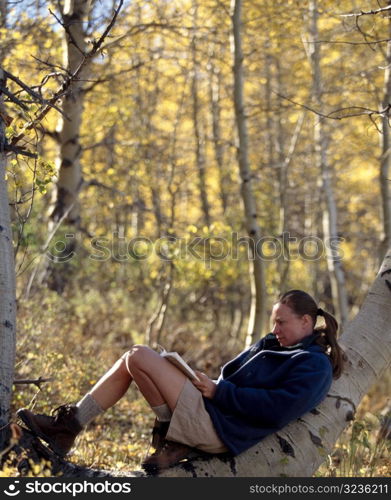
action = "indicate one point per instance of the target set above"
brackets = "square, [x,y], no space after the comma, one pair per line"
[138,154]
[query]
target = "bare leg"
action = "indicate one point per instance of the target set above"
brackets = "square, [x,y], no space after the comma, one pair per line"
[112,385]
[159,381]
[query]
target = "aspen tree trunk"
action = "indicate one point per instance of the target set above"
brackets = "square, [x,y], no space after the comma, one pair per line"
[147,96]
[275,148]
[312,227]
[270,124]
[138,221]
[283,164]
[214,90]
[156,177]
[3,13]
[258,316]
[198,134]
[385,153]
[66,202]
[303,445]
[65,206]
[330,215]
[7,290]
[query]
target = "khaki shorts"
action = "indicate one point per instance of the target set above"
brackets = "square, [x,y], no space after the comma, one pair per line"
[191,423]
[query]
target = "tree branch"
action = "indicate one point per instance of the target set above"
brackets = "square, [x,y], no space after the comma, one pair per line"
[113,75]
[35,381]
[67,83]
[363,112]
[19,151]
[26,88]
[368,12]
[13,98]
[67,31]
[96,44]
[22,85]
[385,40]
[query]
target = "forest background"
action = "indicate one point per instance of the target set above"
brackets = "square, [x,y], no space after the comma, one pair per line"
[127,223]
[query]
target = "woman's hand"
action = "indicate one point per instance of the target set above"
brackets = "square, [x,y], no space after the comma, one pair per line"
[205,385]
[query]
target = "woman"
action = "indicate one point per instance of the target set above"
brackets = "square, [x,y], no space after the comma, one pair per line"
[278,379]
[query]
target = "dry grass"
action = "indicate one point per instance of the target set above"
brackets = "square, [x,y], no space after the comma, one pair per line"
[52,344]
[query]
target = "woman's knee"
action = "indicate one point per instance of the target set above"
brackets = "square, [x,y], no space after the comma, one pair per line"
[136,356]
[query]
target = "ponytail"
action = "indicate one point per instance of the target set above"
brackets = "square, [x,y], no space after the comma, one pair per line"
[328,339]
[302,303]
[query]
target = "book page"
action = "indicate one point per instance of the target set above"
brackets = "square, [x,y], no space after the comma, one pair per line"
[179,362]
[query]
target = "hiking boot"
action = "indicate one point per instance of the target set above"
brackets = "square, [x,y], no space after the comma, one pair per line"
[168,455]
[159,432]
[59,431]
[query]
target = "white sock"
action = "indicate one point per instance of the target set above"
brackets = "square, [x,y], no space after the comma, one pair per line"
[87,409]
[162,412]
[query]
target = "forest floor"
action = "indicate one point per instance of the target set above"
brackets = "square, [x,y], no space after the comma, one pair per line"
[119,439]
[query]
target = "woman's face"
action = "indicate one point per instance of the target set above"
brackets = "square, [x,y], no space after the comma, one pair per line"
[288,327]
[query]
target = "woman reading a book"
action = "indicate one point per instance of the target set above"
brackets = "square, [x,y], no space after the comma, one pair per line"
[284,375]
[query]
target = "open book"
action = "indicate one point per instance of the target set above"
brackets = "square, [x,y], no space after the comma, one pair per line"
[179,362]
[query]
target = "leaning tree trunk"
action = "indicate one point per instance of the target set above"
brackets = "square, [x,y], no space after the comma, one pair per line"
[330,216]
[385,153]
[258,316]
[301,447]
[7,290]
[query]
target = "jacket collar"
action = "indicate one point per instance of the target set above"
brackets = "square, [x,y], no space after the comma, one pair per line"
[270,341]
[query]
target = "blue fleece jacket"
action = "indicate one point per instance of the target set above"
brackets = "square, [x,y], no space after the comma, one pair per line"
[265,387]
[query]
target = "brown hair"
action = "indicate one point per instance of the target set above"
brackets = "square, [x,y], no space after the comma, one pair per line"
[302,303]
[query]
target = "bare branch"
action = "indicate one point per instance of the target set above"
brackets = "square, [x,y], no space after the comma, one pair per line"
[96,45]
[140,28]
[23,85]
[67,31]
[20,202]
[358,15]
[26,88]
[35,381]
[112,75]
[19,151]
[94,182]
[67,83]
[13,98]
[362,111]
[51,65]
[385,40]
[367,13]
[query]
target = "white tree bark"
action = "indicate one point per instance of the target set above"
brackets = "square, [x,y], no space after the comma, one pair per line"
[198,133]
[284,159]
[330,215]
[215,84]
[7,291]
[258,316]
[69,182]
[385,154]
[301,447]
